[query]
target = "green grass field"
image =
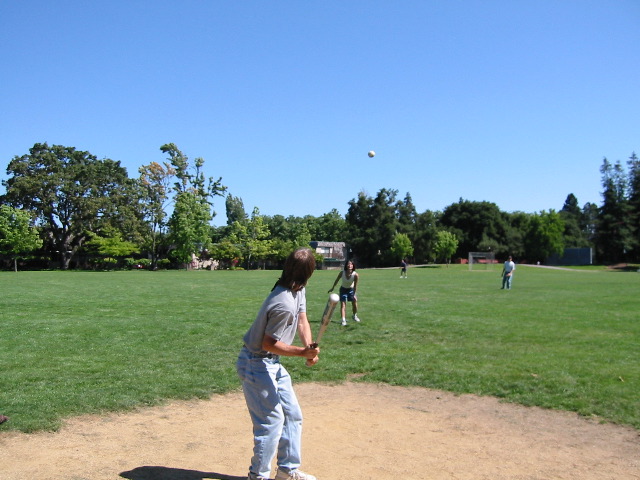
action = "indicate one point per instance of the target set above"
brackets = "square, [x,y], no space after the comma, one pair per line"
[86,342]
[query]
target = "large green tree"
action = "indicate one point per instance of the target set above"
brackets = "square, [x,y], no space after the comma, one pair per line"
[247,241]
[155,186]
[71,193]
[189,225]
[545,236]
[571,215]
[518,225]
[257,245]
[589,222]
[192,177]
[329,227]
[614,238]
[424,236]
[401,247]
[634,204]
[18,237]
[235,209]
[406,214]
[475,223]
[111,245]
[372,224]
[227,250]
[446,245]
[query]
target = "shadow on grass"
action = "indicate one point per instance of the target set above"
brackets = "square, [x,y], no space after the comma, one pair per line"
[166,473]
[624,268]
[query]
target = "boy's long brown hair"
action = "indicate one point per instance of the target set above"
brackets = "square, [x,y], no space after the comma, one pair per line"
[298,268]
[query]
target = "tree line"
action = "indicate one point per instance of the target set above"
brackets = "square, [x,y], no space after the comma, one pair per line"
[65,208]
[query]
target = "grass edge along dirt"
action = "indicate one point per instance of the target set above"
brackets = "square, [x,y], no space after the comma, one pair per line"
[95,342]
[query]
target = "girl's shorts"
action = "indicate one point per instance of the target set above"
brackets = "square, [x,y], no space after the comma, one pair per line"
[347,294]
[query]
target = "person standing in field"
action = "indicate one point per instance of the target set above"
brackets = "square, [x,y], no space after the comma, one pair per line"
[507,273]
[403,269]
[268,391]
[348,288]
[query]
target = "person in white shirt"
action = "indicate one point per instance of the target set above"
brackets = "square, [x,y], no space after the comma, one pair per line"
[507,273]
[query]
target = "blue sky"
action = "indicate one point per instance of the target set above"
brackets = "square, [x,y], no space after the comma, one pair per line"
[512,102]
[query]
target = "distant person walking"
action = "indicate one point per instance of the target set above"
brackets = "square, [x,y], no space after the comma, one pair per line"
[507,273]
[403,269]
[348,288]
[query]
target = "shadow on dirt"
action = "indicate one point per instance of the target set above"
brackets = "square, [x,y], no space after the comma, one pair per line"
[166,473]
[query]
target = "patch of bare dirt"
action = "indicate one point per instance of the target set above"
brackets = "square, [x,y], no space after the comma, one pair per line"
[351,430]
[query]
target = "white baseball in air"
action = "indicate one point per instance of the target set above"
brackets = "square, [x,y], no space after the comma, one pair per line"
[371,154]
[334,298]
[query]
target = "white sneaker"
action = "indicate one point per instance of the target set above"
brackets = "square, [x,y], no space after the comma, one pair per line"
[344,322]
[256,477]
[355,318]
[294,475]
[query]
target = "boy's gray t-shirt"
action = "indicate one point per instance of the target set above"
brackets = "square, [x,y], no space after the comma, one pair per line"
[278,318]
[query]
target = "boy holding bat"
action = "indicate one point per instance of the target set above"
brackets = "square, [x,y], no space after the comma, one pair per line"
[272,403]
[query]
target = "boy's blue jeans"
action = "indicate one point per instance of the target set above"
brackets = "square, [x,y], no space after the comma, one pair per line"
[274,410]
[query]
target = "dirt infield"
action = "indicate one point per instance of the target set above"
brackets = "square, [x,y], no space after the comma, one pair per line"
[351,431]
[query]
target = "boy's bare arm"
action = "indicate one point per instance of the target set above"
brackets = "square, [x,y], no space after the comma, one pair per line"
[272,345]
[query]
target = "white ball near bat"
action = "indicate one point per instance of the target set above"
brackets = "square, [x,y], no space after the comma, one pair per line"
[326,319]
[326,315]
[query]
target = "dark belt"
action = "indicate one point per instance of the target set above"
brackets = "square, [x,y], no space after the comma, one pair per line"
[263,355]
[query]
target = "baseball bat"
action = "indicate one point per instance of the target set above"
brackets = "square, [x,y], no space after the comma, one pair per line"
[326,316]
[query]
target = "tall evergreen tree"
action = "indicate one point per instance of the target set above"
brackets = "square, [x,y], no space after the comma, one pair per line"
[614,238]
[634,204]
[372,224]
[571,215]
[589,221]
[406,214]
[235,210]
